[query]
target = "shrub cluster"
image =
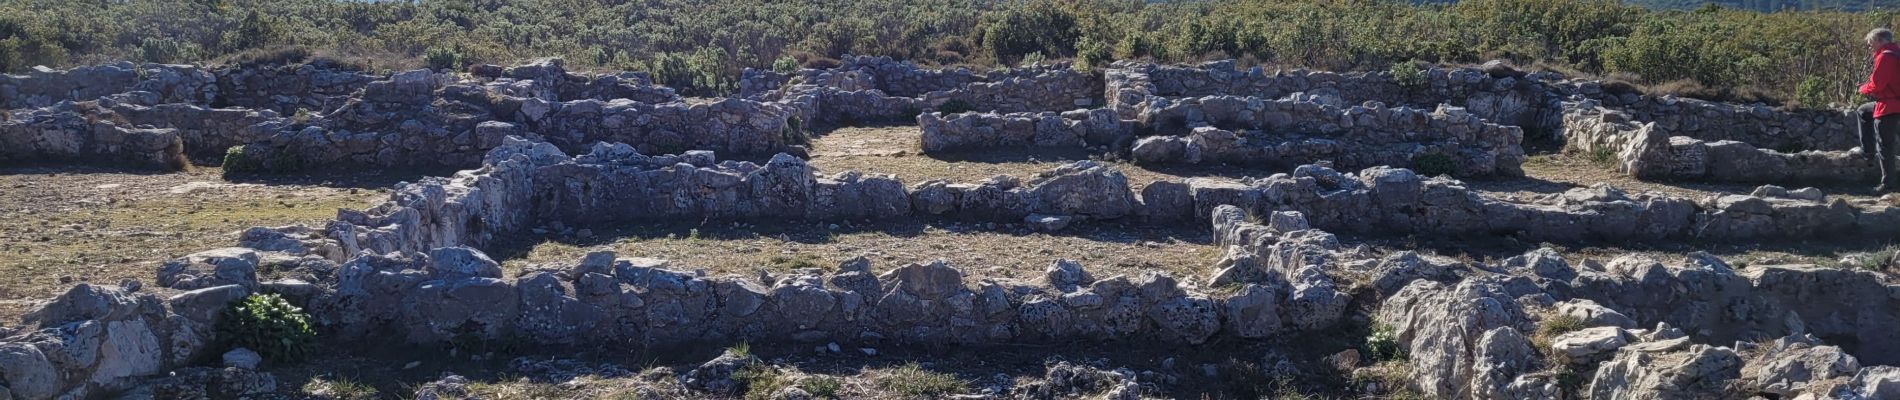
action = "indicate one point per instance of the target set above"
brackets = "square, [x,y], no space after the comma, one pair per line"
[268,325]
[1796,57]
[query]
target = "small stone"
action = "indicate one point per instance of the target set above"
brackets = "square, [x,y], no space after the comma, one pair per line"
[242,358]
[868,351]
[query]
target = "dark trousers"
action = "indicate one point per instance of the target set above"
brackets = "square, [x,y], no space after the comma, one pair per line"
[1877,139]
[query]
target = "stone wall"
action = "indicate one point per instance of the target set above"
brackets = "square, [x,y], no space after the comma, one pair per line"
[1250,131]
[410,269]
[978,130]
[1757,125]
[45,87]
[1502,98]
[287,89]
[419,118]
[1287,133]
[1648,151]
[68,134]
[879,89]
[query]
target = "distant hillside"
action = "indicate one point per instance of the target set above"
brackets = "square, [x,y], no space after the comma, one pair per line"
[1776,5]
[1758,5]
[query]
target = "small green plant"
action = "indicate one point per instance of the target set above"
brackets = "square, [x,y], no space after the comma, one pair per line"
[1555,325]
[742,349]
[1383,344]
[1602,155]
[762,382]
[913,381]
[1434,164]
[785,65]
[1408,75]
[270,326]
[955,106]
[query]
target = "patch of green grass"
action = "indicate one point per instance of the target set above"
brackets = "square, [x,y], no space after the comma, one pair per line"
[762,382]
[1552,326]
[742,349]
[1878,260]
[1602,156]
[912,381]
[797,261]
[821,386]
[516,389]
[340,389]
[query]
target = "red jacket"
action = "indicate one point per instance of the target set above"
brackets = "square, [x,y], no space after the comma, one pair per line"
[1884,84]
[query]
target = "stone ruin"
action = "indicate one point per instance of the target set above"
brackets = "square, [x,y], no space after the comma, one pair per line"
[1647,150]
[413,268]
[289,117]
[865,89]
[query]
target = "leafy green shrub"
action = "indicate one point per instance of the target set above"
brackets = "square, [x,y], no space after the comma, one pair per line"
[785,65]
[267,324]
[438,58]
[236,161]
[955,106]
[1408,75]
[239,161]
[1434,164]
[1813,93]
[166,51]
[1383,344]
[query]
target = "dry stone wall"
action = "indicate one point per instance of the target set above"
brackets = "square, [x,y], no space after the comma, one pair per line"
[410,269]
[1648,151]
[1250,131]
[1757,125]
[879,89]
[1505,98]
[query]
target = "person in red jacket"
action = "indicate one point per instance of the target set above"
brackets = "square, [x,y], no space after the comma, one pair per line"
[1880,120]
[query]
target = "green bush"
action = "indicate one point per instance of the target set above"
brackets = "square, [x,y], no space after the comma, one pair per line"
[1408,75]
[1434,164]
[1813,93]
[270,326]
[785,65]
[166,51]
[236,161]
[438,58]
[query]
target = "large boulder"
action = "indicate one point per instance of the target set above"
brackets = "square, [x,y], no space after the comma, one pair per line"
[1084,188]
[1667,369]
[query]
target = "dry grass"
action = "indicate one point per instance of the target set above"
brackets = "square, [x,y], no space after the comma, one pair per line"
[895,150]
[67,226]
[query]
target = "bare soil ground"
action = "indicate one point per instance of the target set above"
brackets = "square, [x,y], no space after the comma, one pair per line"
[1557,172]
[897,150]
[982,250]
[67,225]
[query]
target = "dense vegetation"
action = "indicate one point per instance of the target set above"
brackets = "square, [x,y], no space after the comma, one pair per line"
[1806,56]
